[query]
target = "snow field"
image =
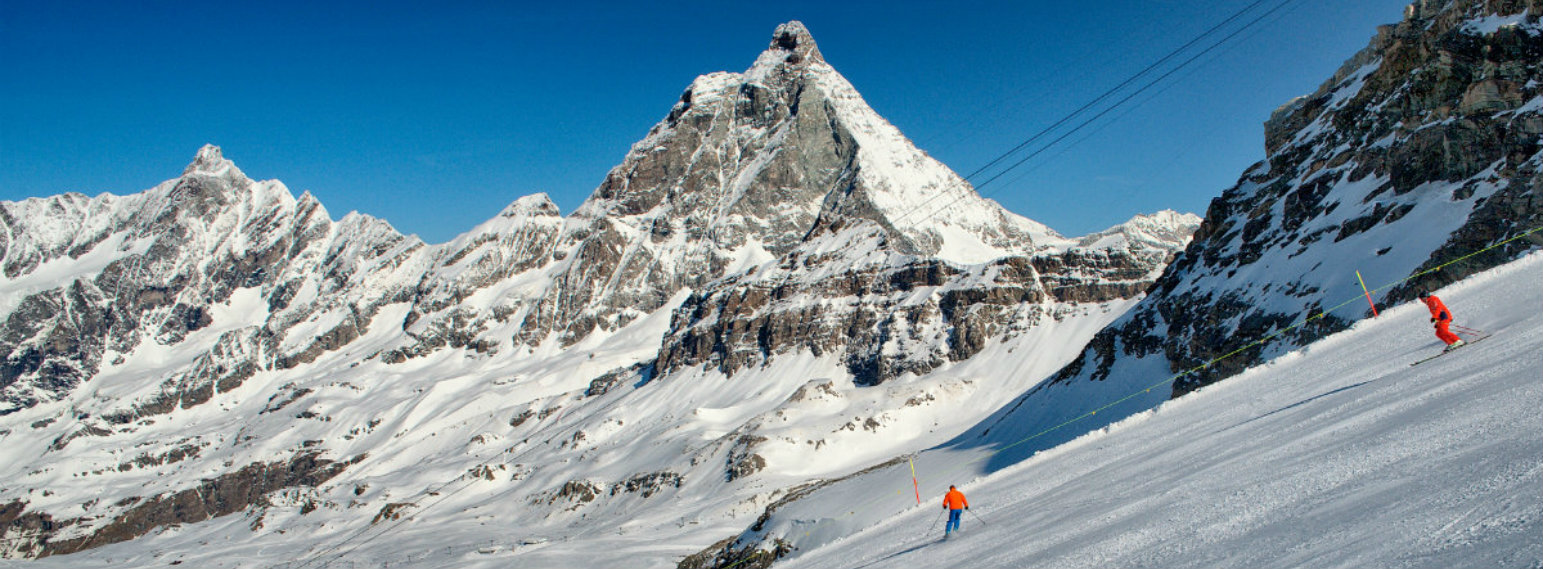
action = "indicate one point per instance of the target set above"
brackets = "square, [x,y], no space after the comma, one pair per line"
[445,414]
[1337,454]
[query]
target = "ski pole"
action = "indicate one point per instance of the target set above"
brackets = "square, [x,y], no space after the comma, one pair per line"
[934,522]
[1469,330]
[977,517]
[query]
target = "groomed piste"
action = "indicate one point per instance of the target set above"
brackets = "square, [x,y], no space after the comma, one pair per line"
[1338,454]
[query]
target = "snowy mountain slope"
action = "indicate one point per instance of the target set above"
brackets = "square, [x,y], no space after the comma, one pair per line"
[1353,184]
[1424,150]
[759,295]
[631,477]
[1337,454]
[1153,231]
[90,282]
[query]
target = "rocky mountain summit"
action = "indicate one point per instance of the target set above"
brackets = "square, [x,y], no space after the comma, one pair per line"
[773,248]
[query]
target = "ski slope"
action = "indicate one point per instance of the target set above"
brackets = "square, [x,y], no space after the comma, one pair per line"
[1338,454]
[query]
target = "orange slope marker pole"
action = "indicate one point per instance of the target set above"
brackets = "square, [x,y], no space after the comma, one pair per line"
[1368,293]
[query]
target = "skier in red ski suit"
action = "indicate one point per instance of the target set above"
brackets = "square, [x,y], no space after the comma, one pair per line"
[1442,319]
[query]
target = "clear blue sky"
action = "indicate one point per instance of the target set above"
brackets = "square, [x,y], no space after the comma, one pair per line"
[434,115]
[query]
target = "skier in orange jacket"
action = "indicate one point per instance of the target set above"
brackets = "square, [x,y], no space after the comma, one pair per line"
[1442,319]
[954,502]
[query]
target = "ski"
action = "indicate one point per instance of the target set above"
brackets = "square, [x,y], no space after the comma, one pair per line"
[1466,343]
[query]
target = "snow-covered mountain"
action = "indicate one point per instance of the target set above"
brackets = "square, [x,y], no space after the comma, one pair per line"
[773,286]
[91,283]
[1424,150]
[1335,455]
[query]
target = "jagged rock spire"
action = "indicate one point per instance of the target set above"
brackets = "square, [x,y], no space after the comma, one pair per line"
[209,160]
[794,41]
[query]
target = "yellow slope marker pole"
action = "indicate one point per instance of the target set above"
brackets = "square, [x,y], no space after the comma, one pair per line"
[1368,293]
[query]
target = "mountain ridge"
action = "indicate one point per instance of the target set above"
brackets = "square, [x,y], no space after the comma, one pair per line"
[767,251]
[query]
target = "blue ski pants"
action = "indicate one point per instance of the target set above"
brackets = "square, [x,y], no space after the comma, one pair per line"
[953,521]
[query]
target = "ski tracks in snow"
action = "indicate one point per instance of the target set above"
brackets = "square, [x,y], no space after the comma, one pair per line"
[1335,454]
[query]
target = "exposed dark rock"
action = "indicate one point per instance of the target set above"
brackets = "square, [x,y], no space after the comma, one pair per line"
[287,394]
[391,512]
[646,485]
[229,493]
[734,325]
[742,461]
[574,492]
[177,454]
[603,384]
[521,418]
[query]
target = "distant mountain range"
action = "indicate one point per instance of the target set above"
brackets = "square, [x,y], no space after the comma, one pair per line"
[216,345]
[773,299]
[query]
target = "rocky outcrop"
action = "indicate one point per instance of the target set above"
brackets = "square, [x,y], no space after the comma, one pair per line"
[31,534]
[890,320]
[53,341]
[1423,149]
[741,161]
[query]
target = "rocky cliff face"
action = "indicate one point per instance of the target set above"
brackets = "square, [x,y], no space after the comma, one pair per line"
[1423,149]
[92,280]
[914,314]
[153,344]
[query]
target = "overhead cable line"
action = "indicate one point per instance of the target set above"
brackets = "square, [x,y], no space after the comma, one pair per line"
[1047,131]
[1131,108]
[1133,95]
[1110,93]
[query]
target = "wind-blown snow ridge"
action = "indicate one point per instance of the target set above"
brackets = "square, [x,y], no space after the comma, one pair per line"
[913,188]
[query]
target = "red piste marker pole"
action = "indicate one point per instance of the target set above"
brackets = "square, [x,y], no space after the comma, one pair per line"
[914,485]
[1368,293]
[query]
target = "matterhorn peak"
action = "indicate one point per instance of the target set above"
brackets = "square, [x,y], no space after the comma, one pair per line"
[791,44]
[210,161]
